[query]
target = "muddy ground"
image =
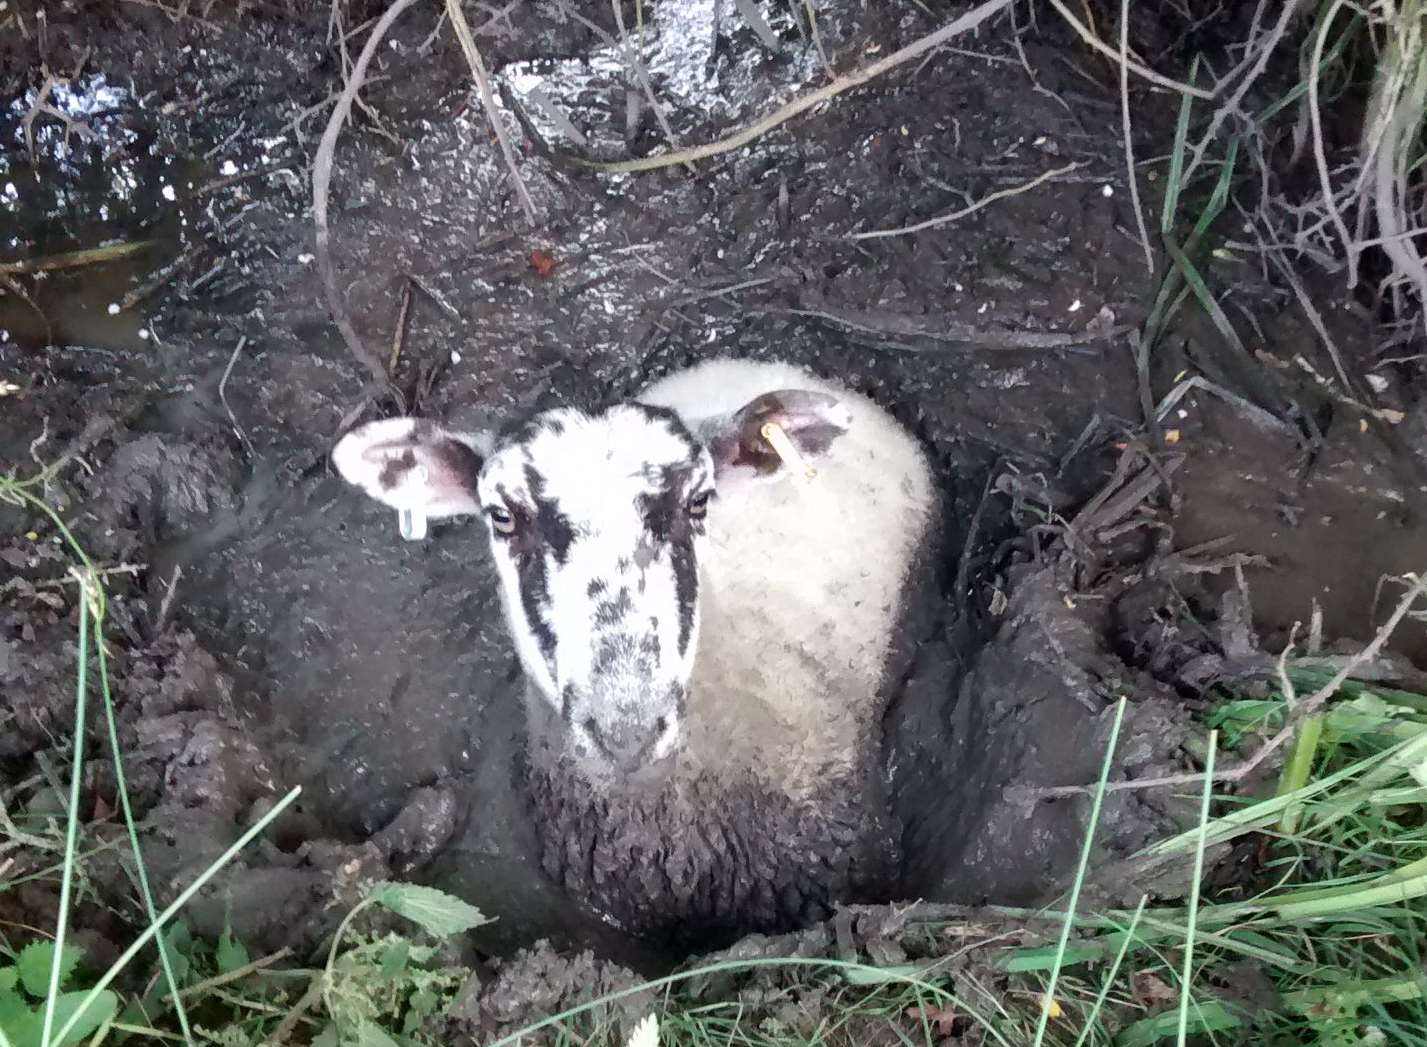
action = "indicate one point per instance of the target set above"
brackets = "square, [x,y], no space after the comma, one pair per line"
[279,632]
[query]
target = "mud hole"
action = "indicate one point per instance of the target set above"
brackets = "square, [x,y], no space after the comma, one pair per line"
[277,631]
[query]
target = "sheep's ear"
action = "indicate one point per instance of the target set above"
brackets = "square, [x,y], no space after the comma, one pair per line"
[745,444]
[412,464]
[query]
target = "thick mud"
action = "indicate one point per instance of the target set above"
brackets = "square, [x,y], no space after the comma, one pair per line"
[280,632]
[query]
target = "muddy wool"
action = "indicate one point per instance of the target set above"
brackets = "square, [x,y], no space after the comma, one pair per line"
[705,628]
[705,858]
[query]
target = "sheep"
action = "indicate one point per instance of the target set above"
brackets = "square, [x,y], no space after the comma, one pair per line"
[705,625]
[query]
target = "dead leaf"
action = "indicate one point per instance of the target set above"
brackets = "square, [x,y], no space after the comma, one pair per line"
[942,1018]
[1150,988]
[1171,436]
[543,262]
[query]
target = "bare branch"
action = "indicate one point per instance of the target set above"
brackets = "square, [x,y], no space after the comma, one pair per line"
[322,183]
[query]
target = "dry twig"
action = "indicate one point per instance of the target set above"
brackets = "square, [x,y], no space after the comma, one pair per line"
[637,67]
[1109,52]
[321,184]
[786,112]
[483,83]
[223,393]
[999,194]
[1129,143]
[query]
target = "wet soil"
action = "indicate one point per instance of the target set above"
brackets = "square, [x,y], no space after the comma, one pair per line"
[281,632]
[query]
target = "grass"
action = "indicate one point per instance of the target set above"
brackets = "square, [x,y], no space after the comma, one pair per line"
[41,1002]
[1325,946]
[1322,944]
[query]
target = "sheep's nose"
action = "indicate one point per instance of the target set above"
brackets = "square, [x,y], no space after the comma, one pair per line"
[628,746]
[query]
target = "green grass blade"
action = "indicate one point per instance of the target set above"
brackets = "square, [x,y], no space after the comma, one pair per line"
[137,945]
[1266,812]
[127,809]
[1194,884]
[1044,1021]
[71,827]
[1109,979]
[1309,679]
[1173,187]
[1351,995]
[1206,298]
[1297,768]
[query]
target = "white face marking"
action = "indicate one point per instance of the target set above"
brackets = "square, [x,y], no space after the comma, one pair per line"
[599,574]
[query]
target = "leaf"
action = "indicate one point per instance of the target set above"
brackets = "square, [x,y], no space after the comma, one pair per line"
[942,1018]
[1207,1016]
[179,937]
[180,946]
[327,1037]
[370,1034]
[893,974]
[395,957]
[543,262]
[27,1031]
[231,953]
[436,912]
[645,1034]
[9,978]
[103,1007]
[14,1012]
[34,963]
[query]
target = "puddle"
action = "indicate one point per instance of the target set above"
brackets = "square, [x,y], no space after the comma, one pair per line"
[1334,529]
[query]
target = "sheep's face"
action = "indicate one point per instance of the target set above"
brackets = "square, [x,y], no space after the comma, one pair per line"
[595,525]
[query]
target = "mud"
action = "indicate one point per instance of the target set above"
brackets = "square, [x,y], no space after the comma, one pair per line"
[281,632]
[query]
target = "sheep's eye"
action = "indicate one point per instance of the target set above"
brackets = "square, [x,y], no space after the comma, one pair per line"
[699,505]
[501,519]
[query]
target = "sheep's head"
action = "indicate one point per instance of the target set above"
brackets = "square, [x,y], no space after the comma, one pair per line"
[596,523]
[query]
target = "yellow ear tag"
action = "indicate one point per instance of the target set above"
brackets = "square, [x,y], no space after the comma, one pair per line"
[785,449]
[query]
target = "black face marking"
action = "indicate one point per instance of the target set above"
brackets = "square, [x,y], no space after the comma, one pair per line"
[552,525]
[535,595]
[668,521]
[686,591]
[626,654]
[611,650]
[611,612]
[393,469]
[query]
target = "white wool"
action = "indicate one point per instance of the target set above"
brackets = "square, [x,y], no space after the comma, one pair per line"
[800,586]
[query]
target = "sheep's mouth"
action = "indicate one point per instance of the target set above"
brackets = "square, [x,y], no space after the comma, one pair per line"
[598,769]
